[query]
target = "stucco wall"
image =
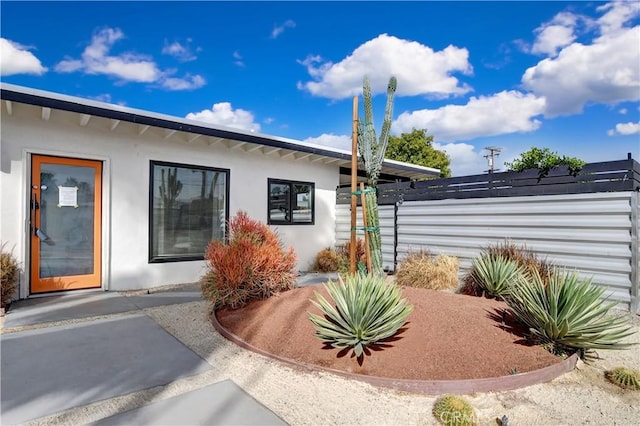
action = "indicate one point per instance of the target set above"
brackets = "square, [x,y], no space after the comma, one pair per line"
[126,154]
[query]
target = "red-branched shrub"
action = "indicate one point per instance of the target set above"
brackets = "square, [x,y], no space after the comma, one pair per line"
[252,265]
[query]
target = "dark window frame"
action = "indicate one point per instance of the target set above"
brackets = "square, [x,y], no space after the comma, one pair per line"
[291,200]
[167,259]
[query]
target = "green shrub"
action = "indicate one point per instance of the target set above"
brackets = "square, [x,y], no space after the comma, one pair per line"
[626,378]
[544,160]
[453,410]
[496,275]
[327,260]
[367,309]
[344,253]
[420,269]
[568,313]
[252,265]
[9,273]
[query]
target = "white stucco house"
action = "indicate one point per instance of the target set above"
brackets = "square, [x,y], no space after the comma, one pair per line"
[95,195]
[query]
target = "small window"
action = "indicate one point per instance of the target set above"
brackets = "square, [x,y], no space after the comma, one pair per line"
[291,203]
[189,207]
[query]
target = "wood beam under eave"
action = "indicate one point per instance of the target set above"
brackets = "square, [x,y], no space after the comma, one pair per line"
[9,106]
[320,158]
[303,156]
[142,128]
[254,148]
[193,138]
[238,145]
[84,119]
[168,133]
[114,124]
[215,141]
[271,150]
[288,155]
[46,113]
[331,160]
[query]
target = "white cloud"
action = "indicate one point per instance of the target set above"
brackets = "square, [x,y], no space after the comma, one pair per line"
[128,67]
[179,51]
[605,71]
[625,129]
[501,113]
[279,29]
[419,69]
[96,60]
[16,59]
[104,97]
[465,160]
[555,35]
[188,82]
[623,111]
[331,140]
[616,15]
[238,60]
[224,115]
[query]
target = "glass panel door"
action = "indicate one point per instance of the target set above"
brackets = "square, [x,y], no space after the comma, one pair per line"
[66,227]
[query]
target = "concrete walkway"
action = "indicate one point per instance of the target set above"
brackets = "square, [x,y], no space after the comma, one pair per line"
[64,352]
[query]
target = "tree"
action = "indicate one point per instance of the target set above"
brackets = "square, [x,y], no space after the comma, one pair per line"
[417,148]
[544,160]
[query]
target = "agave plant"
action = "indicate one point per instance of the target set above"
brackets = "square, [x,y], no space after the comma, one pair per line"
[367,309]
[496,274]
[569,313]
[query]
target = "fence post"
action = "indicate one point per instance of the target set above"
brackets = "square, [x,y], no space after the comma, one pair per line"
[635,256]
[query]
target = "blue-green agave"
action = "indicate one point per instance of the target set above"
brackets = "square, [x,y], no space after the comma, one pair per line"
[568,312]
[367,309]
[496,275]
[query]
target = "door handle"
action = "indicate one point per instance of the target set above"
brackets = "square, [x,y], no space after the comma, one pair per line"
[40,234]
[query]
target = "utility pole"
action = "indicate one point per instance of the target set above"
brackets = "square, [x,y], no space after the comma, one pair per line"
[494,152]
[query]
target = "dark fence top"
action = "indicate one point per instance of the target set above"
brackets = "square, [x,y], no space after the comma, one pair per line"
[610,176]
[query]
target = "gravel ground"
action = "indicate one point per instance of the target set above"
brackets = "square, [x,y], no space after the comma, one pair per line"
[300,397]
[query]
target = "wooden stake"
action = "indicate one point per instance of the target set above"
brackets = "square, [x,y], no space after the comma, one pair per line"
[354,185]
[367,249]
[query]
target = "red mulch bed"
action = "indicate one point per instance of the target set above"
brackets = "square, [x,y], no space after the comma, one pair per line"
[448,337]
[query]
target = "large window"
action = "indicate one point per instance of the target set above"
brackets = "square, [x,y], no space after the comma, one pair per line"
[189,208]
[291,203]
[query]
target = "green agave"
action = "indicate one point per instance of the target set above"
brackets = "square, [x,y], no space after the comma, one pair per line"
[496,274]
[568,312]
[367,309]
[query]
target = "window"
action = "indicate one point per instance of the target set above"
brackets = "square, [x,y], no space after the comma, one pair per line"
[189,206]
[291,203]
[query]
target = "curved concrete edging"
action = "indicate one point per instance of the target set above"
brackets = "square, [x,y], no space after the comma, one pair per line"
[429,387]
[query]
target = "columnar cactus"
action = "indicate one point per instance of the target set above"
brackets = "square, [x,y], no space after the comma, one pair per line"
[372,152]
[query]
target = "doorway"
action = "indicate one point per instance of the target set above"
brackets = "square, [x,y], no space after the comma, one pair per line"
[65,224]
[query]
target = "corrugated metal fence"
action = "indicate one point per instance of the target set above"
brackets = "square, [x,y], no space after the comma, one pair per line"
[594,233]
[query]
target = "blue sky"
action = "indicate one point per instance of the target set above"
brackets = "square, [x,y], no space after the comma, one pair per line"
[563,75]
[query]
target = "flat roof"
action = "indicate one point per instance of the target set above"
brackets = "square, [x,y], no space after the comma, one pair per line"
[20,94]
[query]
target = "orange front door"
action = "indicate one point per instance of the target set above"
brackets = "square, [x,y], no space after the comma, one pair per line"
[66,226]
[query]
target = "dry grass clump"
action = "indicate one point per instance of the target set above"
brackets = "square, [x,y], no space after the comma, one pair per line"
[521,255]
[422,270]
[9,270]
[327,260]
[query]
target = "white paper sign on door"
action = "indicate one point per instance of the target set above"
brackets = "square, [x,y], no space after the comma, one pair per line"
[68,196]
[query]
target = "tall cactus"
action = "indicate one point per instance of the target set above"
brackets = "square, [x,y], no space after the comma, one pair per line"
[169,191]
[372,152]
